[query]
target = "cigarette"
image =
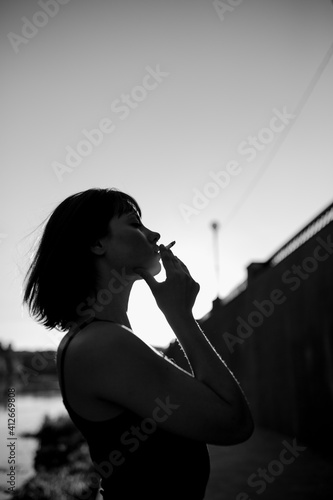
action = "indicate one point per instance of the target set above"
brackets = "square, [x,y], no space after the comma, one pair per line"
[170,245]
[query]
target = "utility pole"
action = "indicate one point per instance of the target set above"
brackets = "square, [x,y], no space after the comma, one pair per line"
[215,227]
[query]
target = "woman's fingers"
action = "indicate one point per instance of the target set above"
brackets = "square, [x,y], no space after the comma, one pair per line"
[182,265]
[171,261]
[168,259]
[178,291]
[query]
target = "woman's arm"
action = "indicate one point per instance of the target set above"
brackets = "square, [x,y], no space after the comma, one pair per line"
[176,297]
[111,364]
[210,369]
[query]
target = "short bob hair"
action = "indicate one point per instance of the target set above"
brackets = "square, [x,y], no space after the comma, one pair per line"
[61,274]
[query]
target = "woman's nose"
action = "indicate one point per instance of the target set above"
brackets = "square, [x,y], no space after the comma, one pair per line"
[153,236]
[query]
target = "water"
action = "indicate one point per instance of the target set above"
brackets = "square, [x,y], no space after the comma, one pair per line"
[31,410]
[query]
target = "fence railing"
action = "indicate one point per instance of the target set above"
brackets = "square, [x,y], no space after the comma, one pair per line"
[301,237]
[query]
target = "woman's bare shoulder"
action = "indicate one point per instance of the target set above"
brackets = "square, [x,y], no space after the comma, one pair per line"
[106,340]
[99,331]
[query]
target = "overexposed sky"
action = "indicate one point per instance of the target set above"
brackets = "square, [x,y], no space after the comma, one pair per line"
[224,76]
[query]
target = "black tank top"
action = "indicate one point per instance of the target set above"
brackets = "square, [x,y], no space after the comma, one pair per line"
[134,458]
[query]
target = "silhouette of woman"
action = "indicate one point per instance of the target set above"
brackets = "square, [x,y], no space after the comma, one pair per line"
[147,421]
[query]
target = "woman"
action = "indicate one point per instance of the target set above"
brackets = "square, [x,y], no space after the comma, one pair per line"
[147,421]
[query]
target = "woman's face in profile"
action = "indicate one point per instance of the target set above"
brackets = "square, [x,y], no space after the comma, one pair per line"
[130,244]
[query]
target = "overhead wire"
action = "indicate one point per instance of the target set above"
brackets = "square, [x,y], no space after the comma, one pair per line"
[280,140]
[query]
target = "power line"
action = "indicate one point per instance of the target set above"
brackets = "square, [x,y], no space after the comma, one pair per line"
[308,91]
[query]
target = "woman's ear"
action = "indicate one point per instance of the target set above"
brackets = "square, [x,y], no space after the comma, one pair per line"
[98,248]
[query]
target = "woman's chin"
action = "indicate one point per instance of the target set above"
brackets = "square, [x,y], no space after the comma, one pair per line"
[155,268]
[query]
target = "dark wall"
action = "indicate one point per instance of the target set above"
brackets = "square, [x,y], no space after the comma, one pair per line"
[280,348]
[283,352]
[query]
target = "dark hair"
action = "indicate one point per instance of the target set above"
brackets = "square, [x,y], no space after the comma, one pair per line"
[61,274]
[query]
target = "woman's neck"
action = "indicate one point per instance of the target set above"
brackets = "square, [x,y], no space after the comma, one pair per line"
[111,299]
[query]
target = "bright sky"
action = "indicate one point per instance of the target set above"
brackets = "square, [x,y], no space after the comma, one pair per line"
[185,92]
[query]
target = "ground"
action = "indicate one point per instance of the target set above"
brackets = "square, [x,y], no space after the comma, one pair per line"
[235,470]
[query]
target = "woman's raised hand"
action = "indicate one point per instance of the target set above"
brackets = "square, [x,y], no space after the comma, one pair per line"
[177,294]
